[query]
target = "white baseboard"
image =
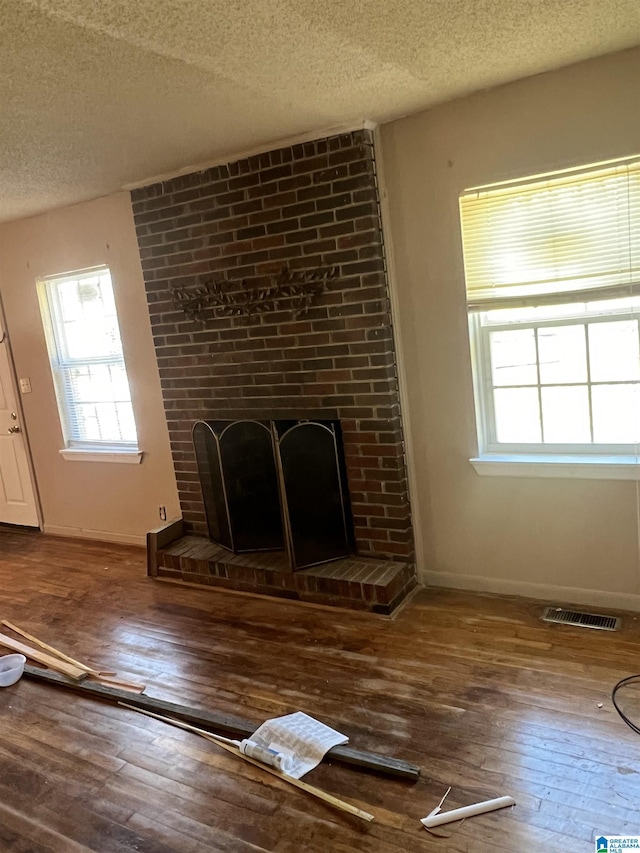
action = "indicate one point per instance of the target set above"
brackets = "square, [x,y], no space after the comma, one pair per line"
[544,592]
[96,535]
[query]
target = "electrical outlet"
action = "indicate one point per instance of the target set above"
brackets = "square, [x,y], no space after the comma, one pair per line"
[163,513]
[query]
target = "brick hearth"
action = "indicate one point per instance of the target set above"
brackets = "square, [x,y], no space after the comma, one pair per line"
[357,583]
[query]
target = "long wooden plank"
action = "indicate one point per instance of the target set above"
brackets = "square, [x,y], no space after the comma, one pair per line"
[343,805]
[43,658]
[56,652]
[118,683]
[223,724]
[103,676]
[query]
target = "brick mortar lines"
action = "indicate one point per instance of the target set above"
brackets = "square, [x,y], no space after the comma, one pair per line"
[312,205]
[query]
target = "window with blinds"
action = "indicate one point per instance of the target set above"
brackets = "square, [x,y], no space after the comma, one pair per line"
[87,363]
[552,268]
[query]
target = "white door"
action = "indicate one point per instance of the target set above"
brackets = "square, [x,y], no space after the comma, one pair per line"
[17,497]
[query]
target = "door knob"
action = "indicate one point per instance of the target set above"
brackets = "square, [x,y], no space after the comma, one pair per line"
[14,429]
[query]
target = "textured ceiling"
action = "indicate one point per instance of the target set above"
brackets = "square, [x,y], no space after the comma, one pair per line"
[97,94]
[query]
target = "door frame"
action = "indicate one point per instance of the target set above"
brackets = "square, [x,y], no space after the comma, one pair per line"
[6,341]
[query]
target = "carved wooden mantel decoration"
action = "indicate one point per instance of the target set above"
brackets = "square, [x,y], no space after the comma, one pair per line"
[296,291]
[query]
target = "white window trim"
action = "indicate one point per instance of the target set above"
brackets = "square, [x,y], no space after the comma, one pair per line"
[566,467]
[75,450]
[99,454]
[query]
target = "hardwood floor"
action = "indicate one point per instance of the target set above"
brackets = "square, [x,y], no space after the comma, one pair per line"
[476,690]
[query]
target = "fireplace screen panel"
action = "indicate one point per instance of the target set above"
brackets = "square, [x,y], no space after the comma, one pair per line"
[209,470]
[313,493]
[240,485]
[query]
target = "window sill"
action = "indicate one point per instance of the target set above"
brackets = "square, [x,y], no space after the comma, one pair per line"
[567,467]
[77,454]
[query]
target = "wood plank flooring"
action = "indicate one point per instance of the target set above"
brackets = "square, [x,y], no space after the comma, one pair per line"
[476,690]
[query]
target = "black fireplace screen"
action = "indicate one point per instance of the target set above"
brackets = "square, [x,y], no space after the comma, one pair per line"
[271,484]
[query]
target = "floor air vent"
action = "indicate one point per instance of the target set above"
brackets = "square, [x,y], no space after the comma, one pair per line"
[583,620]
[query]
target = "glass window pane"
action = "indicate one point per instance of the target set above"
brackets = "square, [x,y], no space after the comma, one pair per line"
[513,357]
[565,415]
[126,422]
[96,383]
[517,414]
[613,351]
[108,420]
[87,322]
[105,422]
[87,426]
[616,414]
[562,352]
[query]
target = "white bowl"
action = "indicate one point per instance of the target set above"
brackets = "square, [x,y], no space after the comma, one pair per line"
[11,669]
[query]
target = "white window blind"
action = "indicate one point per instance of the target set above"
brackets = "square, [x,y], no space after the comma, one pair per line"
[550,240]
[87,362]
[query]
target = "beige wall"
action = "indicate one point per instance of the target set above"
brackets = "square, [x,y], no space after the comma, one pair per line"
[103,500]
[573,538]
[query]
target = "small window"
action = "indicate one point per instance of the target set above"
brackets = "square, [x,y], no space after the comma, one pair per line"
[87,363]
[552,269]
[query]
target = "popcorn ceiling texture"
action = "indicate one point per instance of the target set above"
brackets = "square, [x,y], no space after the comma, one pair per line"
[97,95]
[308,206]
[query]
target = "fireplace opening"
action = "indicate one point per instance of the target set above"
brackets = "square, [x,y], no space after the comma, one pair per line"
[269,485]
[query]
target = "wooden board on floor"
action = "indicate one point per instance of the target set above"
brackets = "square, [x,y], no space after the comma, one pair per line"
[221,724]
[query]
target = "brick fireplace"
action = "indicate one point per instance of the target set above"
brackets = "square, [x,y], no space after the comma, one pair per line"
[307,216]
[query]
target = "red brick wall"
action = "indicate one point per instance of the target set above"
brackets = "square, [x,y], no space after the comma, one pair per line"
[309,206]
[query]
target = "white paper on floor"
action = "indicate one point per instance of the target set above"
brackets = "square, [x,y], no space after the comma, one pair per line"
[299,736]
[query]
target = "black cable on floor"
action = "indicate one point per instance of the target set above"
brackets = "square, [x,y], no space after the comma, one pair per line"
[631,679]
